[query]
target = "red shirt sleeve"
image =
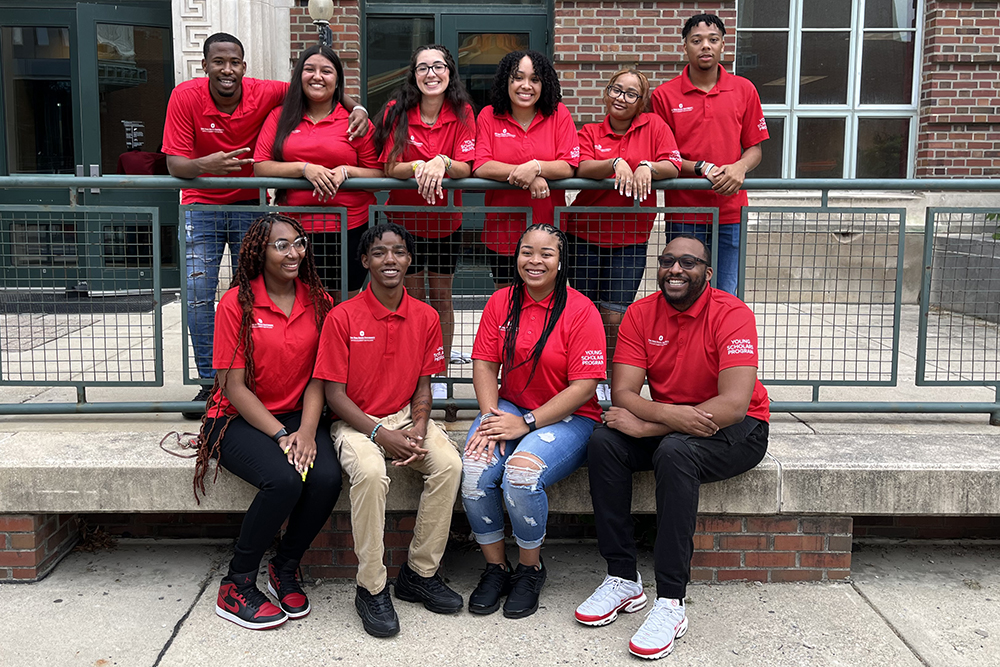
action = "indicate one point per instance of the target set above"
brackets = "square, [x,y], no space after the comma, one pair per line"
[265,140]
[665,145]
[586,346]
[585,138]
[178,128]
[465,137]
[737,339]
[332,355]
[660,105]
[630,348]
[434,361]
[754,129]
[484,138]
[567,140]
[227,351]
[489,339]
[365,146]
[390,141]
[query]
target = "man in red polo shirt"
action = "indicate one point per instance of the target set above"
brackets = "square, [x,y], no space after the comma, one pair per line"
[719,125]
[707,420]
[211,129]
[377,354]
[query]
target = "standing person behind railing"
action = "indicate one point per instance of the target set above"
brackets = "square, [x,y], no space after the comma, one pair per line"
[608,250]
[307,138]
[264,420]
[427,132]
[526,137]
[717,119]
[211,129]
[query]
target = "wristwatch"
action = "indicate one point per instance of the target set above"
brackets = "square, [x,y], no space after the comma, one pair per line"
[698,166]
[279,435]
[529,419]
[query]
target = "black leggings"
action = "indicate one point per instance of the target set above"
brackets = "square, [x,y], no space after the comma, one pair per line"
[254,457]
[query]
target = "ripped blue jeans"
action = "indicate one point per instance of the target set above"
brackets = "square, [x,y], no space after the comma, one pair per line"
[487,487]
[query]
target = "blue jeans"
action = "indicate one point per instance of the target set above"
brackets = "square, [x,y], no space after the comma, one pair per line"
[609,277]
[561,447]
[727,266]
[206,234]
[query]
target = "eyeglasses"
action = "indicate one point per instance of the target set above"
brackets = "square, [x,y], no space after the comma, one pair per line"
[284,246]
[687,262]
[615,91]
[439,69]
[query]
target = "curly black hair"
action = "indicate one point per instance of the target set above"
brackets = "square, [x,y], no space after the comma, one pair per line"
[551,95]
[707,19]
[372,234]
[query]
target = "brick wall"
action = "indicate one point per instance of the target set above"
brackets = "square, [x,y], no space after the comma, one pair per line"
[595,39]
[32,544]
[959,131]
[346,28]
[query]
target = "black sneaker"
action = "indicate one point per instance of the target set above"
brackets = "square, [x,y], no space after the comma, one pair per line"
[526,584]
[283,584]
[376,612]
[494,583]
[202,397]
[241,602]
[432,591]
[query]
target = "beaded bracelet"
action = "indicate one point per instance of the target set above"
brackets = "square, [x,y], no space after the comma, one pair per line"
[374,431]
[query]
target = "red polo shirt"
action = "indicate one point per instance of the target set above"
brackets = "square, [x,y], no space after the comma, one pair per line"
[284,347]
[683,352]
[324,143]
[448,136]
[379,354]
[502,138]
[195,128]
[648,138]
[574,350]
[716,126]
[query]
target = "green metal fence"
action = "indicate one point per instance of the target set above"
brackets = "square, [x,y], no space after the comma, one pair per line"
[825,283]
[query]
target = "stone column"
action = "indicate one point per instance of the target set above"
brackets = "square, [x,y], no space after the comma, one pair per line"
[262,25]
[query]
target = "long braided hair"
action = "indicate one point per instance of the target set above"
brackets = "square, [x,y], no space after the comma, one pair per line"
[555,308]
[253,252]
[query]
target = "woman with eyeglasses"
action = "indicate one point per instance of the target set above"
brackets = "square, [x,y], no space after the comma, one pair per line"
[608,250]
[427,132]
[526,138]
[307,138]
[263,420]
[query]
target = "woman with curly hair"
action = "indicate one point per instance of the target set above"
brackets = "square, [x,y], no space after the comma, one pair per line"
[307,138]
[547,340]
[427,132]
[263,419]
[526,137]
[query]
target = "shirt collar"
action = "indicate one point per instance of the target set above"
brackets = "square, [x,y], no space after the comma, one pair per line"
[446,116]
[380,312]
[545,303]
[724,83]
[338,113]
[696,308]
[261,299]
[212,110]
[637,122]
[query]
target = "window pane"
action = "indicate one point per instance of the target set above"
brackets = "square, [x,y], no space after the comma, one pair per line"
[391,41]
[762,57]
[883,146]
[890,13]
[762,14]
[479,53]
[824,68]
[38,100]
[820,148]
[887,68]
[772,150]
[826,13]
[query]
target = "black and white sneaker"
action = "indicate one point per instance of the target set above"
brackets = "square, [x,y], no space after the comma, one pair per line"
[284,584]
[241,602]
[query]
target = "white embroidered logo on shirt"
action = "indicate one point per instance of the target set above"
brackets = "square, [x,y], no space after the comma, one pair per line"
[261,324]
[468,146]
[680,108]
[762,125]
[674,156]
[602,148]
[504,134]
[575,152]
[439,354]
[413,140]
[212,129]
[740,346]
[362,338]
[657,343]
[592,358]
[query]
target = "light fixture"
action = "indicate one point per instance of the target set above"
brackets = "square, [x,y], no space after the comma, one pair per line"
[321,11]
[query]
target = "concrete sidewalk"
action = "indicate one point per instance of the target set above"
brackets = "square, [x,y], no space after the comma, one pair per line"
[152,604]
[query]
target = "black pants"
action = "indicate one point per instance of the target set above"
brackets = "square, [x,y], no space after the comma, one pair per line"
[254,457]
[681,463]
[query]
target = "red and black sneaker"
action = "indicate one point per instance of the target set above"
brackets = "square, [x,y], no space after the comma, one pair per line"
[241,602]
[283,583]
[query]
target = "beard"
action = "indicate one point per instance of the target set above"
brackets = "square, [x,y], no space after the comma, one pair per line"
[683,301]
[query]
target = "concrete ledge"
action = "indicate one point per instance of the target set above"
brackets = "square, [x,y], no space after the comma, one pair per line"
[803,474]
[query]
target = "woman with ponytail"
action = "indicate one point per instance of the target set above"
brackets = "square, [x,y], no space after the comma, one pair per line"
[263,419]
[546,341]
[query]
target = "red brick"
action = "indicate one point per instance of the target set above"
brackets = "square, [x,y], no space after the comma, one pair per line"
[798,542]
[796,575]
[715,559]
[840,561]
[827,525]
[397,539]
[330,572]
[406,523]
[769,559]
[20,558]
[718,524]
[772,524]
[317,557]
[838,574]
[699,574]
[24,573]
[24,541]
[839,543]
[398,556]
[743,542]
[704,542]
[20,523]
[345,557]
[742,575]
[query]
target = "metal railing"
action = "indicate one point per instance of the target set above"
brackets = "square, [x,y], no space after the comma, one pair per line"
[825,284]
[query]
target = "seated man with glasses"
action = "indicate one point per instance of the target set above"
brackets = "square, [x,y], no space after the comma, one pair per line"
[707,421]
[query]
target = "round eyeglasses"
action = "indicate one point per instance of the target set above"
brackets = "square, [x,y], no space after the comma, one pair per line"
[615,91]
[422,69]
[284,246]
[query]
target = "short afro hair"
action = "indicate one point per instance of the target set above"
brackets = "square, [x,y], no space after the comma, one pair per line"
[551,95]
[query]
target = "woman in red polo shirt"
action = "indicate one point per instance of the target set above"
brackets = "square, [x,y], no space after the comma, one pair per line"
[608,250]
[263,419]
[427,132]
[548,341]
[525,138]
[307,138]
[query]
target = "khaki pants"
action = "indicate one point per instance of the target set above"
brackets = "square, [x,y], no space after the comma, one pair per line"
[365,462]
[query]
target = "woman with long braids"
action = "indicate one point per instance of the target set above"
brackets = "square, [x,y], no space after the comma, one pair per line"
[548,341]
[427,132]
[307,138]
[526,137]
[263,419]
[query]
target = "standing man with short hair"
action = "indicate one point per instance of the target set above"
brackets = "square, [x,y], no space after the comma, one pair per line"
[211,130]
[719,125]
[707,420]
